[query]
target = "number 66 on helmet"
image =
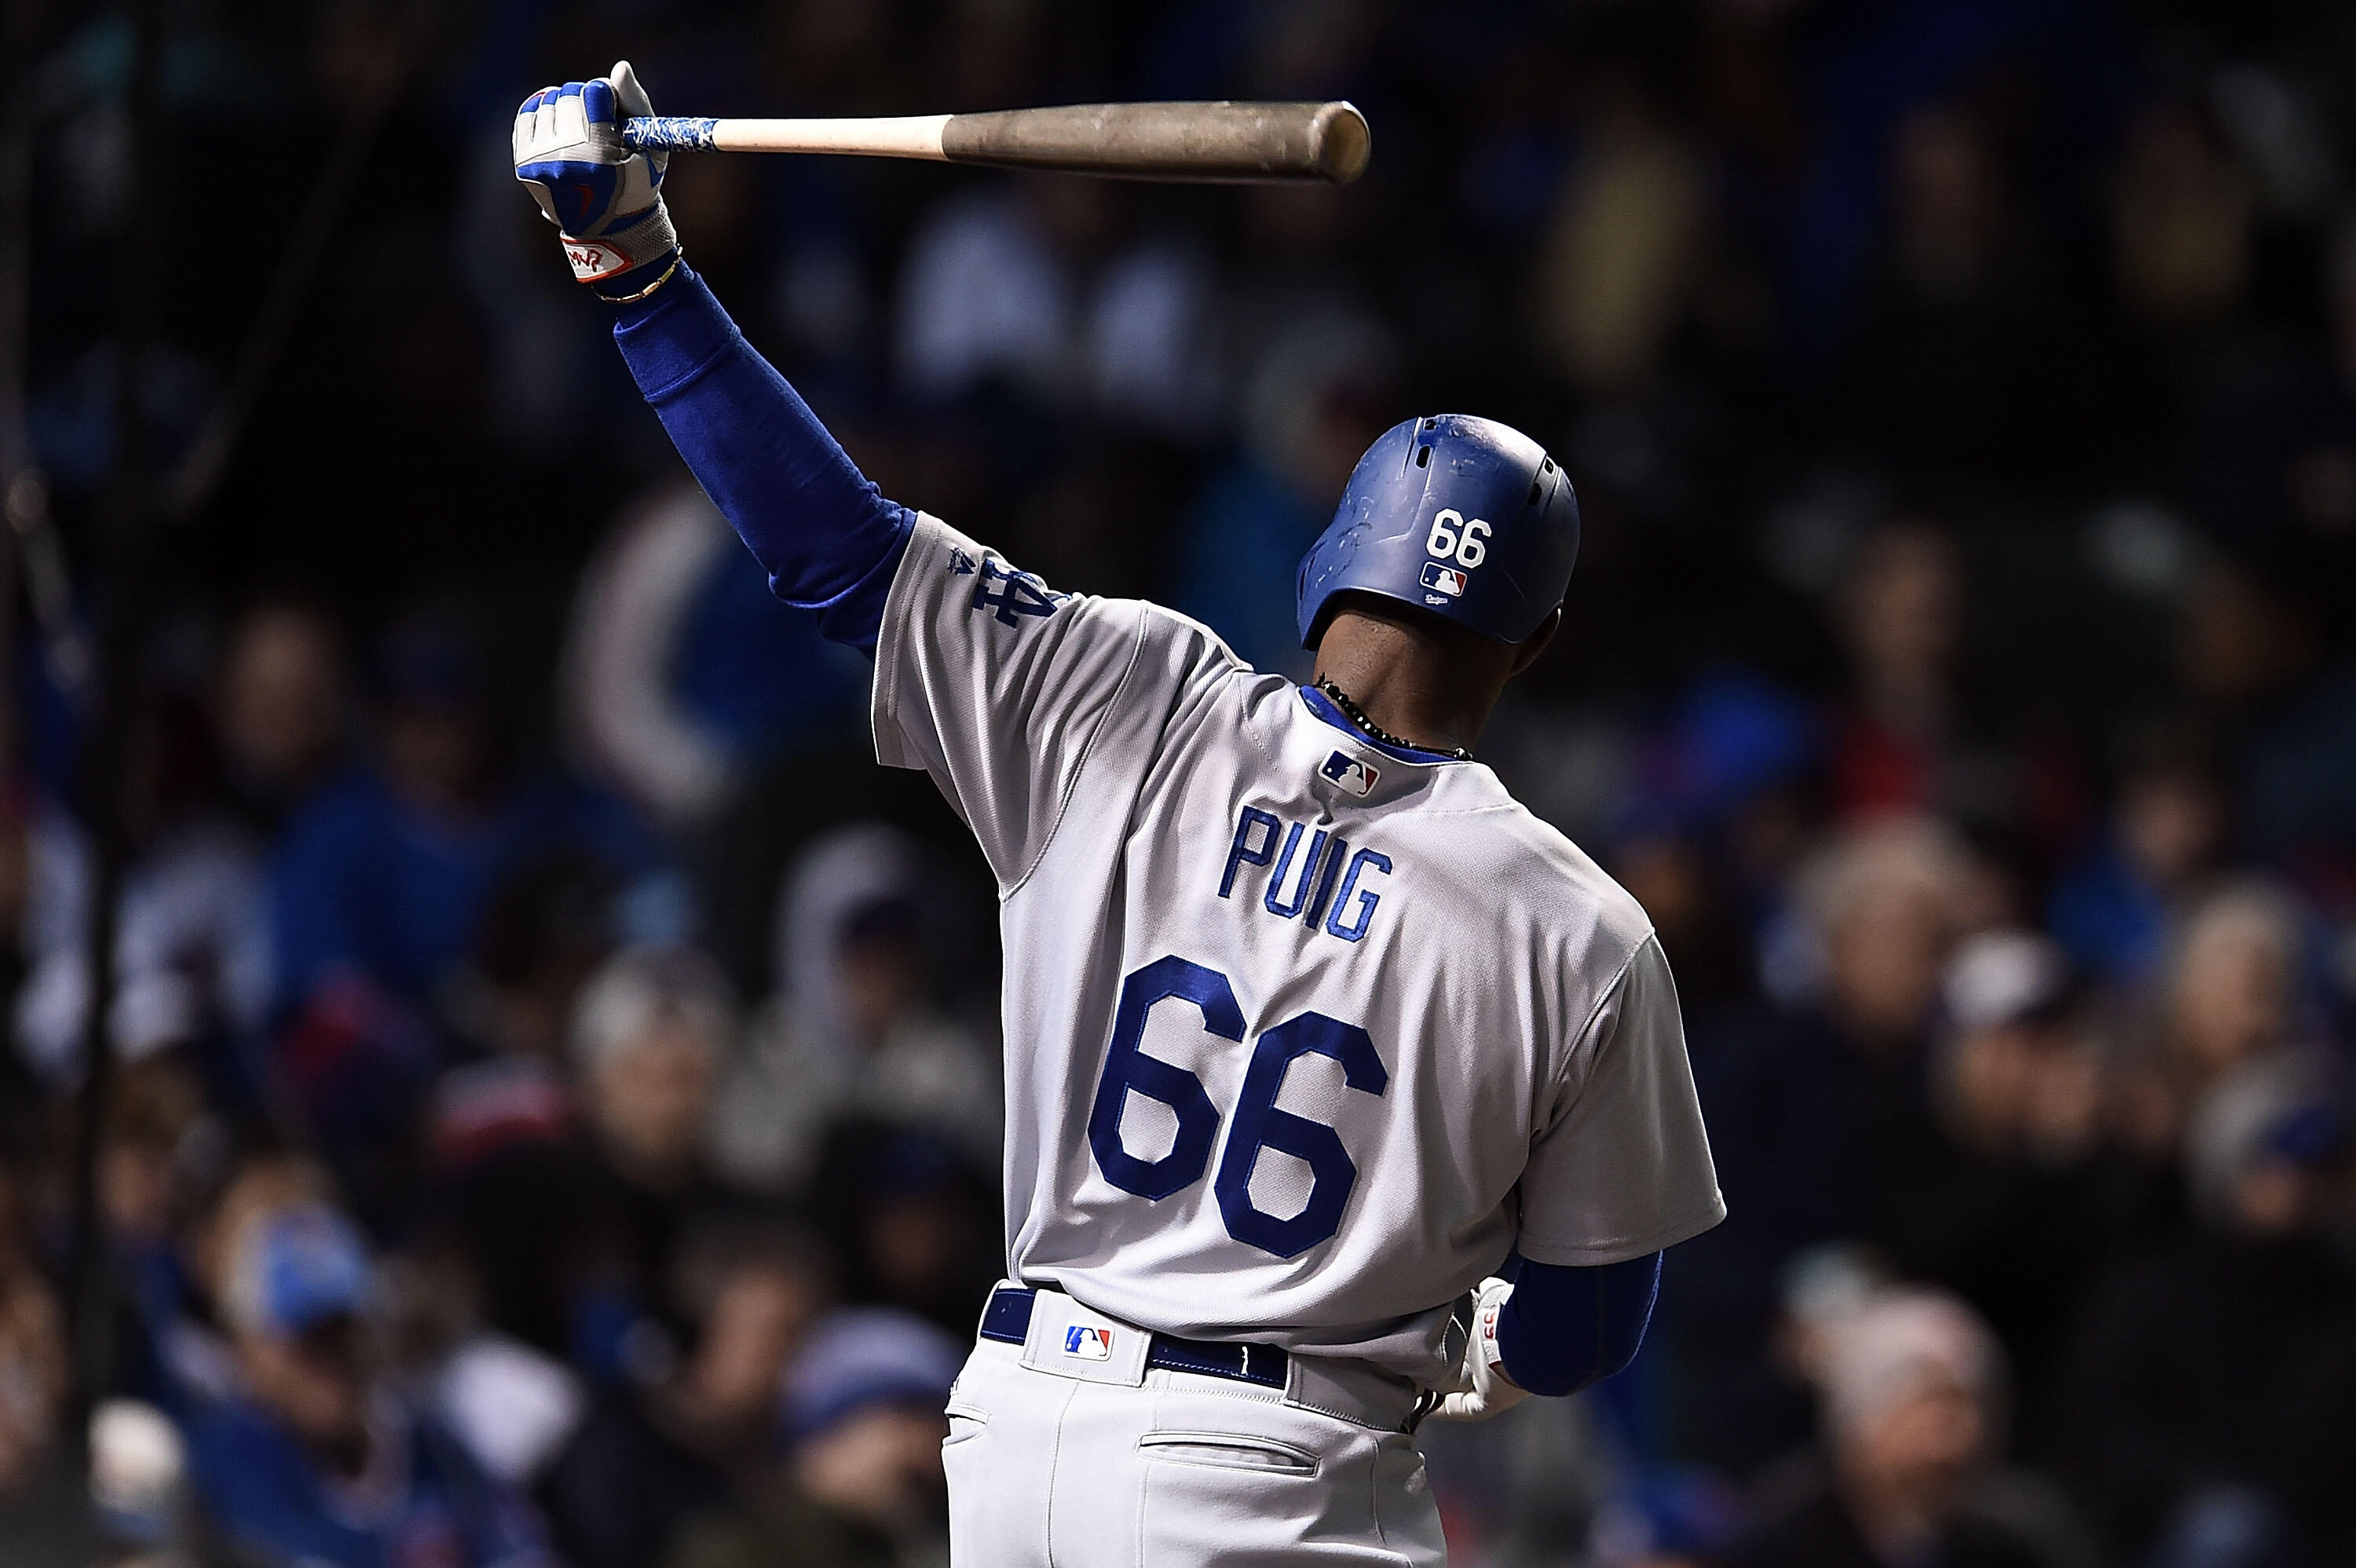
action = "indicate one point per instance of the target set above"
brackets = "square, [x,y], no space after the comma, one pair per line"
[1460,517]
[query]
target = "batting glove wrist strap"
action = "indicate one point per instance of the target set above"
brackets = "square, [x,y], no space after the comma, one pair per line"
[1487,1390]
[609,255]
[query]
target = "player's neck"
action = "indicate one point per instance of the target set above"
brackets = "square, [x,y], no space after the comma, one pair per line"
[1433,692]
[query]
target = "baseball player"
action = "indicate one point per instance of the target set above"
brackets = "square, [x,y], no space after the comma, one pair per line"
[1341,1090]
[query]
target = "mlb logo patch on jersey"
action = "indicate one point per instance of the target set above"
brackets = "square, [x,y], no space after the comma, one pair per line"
[1442,579]
[1086,1343]
[1350,773]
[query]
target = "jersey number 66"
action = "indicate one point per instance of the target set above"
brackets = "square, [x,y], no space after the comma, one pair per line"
[1259,1123]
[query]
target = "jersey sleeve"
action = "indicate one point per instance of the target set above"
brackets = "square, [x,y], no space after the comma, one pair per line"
[1000,687]
[1623,1167]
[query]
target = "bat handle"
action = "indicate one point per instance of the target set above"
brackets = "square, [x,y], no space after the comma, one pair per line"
[660,132]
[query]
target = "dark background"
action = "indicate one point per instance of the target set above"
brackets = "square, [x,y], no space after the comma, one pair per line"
[1962,400]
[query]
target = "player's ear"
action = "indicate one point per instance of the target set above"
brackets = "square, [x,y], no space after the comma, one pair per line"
[1527,651]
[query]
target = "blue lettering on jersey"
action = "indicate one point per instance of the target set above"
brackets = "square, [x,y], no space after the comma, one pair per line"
[1022,593]
[1259,834]
[1275,905]
[1244,852]
[1259,1123]
[1367,861]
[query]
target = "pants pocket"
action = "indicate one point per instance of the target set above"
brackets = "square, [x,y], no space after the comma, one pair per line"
[965,1426]
[1228,1451]
[1274,1494]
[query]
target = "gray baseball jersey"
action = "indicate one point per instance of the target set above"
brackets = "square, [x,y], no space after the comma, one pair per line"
[1301,1036]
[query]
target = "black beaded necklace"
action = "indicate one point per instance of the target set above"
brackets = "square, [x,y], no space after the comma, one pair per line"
[1357,715]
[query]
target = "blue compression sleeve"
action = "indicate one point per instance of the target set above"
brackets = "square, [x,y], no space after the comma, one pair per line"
[829,540]
[1564,1328]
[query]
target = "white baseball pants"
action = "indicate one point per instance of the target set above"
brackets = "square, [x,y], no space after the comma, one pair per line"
[1067,1451]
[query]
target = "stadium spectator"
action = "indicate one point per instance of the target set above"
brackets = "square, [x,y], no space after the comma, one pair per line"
[2015,1079]
[2227,994]
[317,1458]
[1907,741]
[572,1219]
[2245,1441]
[2183,215]
[2112,910]
[649,1036]
[864,1401]
[853,1031]
[695,1450]
[1884,902]
[910,1218]
[1913,1386]
[2038,1203]
[41,1518]
[385,874]
[1823,1113]
[986,293]
[547,927]
[158,1159]
[192,959]
[1623,247]
[279,709]
[682,676]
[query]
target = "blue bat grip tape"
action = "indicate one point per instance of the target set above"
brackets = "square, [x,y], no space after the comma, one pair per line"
[650,133]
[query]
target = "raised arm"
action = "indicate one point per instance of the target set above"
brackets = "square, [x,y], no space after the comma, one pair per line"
[829,541]
[828,538]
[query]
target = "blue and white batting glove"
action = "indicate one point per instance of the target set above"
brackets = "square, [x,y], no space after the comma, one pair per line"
[1486,1389]
[605,199]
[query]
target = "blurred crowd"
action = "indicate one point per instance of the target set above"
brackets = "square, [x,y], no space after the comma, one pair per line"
[556,1113]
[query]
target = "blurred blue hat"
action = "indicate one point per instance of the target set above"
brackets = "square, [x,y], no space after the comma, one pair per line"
[296,1270]
[860,1357]
[1735,736]
[915,1165]
[2289,1107]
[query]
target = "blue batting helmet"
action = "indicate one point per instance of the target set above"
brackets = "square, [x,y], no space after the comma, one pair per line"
[1461,518]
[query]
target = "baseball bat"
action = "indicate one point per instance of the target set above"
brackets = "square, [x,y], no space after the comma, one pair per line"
[1223,141]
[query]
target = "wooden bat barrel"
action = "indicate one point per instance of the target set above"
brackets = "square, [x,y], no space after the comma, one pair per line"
[1220,142]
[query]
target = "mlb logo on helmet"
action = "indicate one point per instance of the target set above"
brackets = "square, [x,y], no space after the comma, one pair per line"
[1351,774]
[1443,579]
[1088,1344]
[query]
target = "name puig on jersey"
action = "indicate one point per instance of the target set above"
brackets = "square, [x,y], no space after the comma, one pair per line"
[1326,879]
